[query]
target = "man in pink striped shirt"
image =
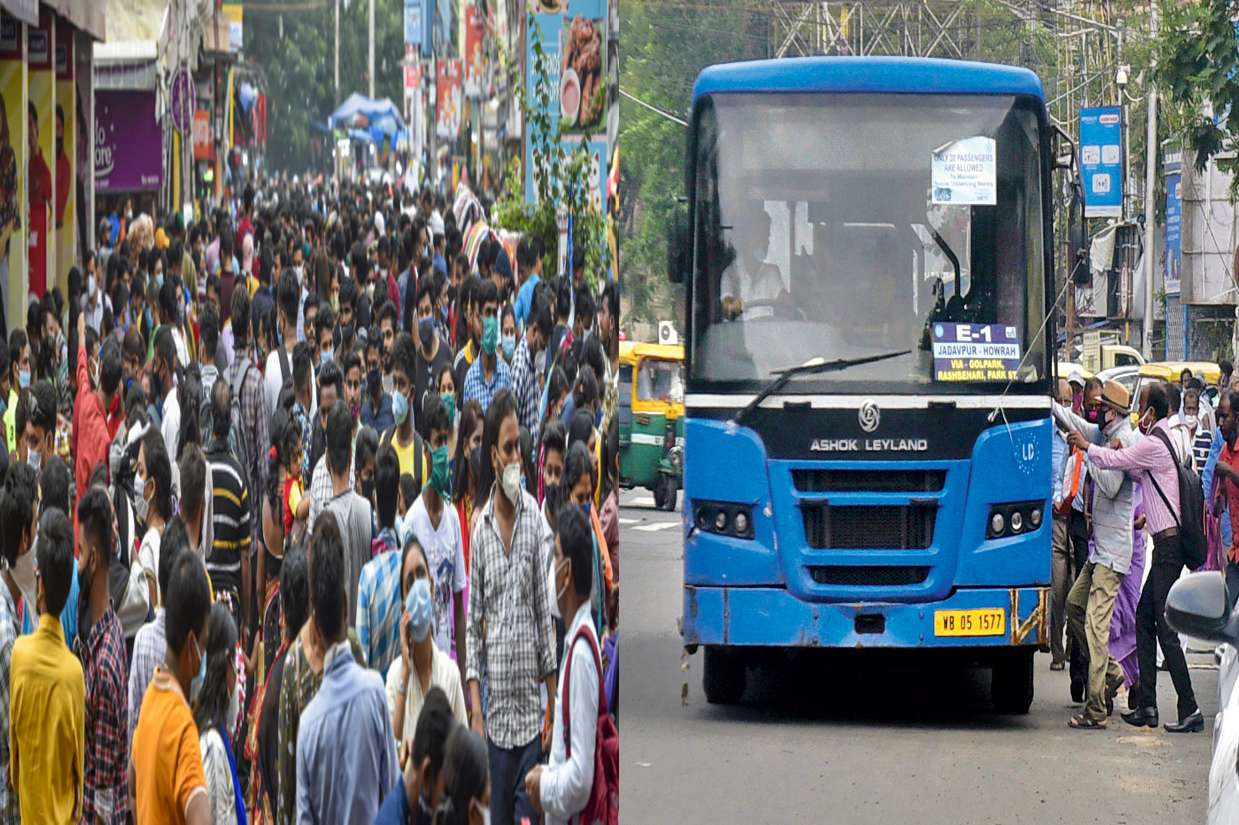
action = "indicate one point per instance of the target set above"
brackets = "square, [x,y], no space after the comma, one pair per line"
[1151,461]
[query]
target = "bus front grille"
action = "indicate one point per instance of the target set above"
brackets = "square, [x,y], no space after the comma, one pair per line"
[869,481]
[856,527]
[868,576]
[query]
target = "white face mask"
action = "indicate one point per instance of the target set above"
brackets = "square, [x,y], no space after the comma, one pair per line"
[552,590]
[24,577]
[1192,421]
[511,480]
[139,498]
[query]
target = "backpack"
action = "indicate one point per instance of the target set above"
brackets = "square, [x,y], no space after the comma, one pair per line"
[1191,509]
[419,450]
[241,436]
[603,803]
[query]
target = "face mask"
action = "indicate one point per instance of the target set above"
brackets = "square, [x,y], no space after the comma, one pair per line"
[490,334]
[23,378]
[367,489]
[24,577]
[90,286]
[552,586]
[324,358]
[511,480]
[399,407]
[1092,415]
[426,331]
[140,505]
[585,509]
[1192,421]
[355,410]
[84,576]
[374,381]
[159,280]
[299,272]
[449,401]
[440,472]
[195,685]
[417,604]
[34,460]
[509,346]
[1146,422]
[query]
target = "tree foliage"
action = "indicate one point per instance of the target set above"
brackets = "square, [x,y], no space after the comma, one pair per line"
[1198,66]
[563,178]
[296,52]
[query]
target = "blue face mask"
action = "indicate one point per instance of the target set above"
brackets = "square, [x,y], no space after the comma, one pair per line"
[417,603]
[324,359]
[399,407]
[585,509]
[23,378]
[159,280]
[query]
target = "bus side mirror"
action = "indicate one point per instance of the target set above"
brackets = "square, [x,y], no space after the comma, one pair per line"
[1064,150]
[679,247]
[1079,260]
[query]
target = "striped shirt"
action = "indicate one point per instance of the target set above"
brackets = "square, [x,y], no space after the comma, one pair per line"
[1201,448]
[231,521]
[509,620]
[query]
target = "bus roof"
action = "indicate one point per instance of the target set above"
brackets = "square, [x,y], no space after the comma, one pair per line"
[868,74]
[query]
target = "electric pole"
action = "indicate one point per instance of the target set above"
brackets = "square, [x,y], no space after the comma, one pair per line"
[1150,208]
[337,52]
[372,48]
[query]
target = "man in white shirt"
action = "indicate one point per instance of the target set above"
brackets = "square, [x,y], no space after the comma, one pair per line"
[750,278]
[165,362]
[561,788]
[280,360]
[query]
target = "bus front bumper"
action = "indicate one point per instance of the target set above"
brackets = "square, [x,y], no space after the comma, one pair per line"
[772,617]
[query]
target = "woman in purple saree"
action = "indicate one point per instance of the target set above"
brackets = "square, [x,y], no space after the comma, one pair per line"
[1123,622]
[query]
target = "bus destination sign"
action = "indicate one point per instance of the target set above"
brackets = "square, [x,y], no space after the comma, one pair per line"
[975,352]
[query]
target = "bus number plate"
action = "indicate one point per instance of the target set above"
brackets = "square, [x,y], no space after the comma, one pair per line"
[989,621]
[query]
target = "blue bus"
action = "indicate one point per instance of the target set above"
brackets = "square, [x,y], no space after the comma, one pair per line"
[867,252]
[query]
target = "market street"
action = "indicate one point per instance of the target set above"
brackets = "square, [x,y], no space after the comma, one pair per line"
[879,745]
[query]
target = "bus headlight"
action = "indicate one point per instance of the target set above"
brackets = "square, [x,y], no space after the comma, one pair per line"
[723,518]
[1015,518]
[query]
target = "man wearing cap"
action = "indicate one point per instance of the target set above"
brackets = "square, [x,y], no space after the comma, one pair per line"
[1090,604]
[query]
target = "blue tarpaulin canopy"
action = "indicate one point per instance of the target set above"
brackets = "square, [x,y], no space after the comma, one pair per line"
[381,115]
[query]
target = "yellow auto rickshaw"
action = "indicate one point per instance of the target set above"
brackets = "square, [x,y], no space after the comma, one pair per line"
[651,419]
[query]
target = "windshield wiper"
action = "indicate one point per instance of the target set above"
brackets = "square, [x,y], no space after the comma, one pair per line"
[813,366]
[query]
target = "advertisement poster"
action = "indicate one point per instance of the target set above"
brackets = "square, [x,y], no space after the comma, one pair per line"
[204,148]
[13,169]
[475,56]
[41,194]
[414,30]
[448,98]
[573,36]
[1172,264]
[65,140]
[235,13]
[975,352]
[128,142]
[1101,161]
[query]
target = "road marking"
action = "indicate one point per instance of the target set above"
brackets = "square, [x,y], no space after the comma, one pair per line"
[658,525]
[641,501]
[623,520]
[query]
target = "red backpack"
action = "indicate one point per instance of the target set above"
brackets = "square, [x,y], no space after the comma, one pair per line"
[603,803]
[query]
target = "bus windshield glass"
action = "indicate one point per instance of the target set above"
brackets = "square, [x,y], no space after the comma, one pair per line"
[841,225]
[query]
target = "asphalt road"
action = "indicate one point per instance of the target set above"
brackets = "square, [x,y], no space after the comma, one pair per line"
[853,740]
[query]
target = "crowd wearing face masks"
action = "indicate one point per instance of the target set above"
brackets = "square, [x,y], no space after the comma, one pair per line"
[310,513]
[1117,543]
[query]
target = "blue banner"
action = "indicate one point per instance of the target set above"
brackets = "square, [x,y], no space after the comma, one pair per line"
[414,27]
[1101,161]
[1173,263]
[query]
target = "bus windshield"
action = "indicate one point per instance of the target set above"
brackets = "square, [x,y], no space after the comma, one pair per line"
[839,225]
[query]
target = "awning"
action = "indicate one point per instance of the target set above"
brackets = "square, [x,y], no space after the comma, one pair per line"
[26,11]
[379,114]
[87,15]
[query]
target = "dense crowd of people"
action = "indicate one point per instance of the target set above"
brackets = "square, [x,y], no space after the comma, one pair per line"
[1119,541]
[310,514]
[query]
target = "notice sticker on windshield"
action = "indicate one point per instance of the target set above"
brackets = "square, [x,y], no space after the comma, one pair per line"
[964,173]
[975,352]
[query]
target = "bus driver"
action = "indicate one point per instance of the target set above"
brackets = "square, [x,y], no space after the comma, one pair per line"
[750,278]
